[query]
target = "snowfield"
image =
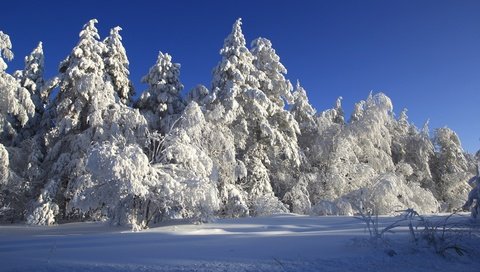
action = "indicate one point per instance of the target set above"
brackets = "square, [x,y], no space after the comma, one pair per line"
[284,242]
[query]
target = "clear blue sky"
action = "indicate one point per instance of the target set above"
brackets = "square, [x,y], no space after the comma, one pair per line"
[425,55]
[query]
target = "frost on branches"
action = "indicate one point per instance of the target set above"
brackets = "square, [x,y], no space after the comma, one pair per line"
[250,146]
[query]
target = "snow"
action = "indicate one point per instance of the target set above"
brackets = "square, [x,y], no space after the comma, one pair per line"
[283,242]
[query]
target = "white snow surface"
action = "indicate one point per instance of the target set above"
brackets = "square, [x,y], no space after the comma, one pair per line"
[284,242]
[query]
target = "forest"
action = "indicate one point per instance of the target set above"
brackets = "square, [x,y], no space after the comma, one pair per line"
[84,145]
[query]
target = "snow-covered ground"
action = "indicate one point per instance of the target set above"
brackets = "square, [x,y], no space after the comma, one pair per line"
[277,243]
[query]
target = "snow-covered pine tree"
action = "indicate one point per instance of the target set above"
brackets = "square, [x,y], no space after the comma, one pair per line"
[116,65]
[339,114]
[284,153]
[308,141]
[84,87]
[31,78]
[450,170]
[263,130]
[272,73]
[82,82]
[304,114]
[87,111]
[16,105]
[161,103]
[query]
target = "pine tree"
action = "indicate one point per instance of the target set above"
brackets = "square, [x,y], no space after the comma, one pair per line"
[271,72]
[116,65]
[31,78]
[161,103]
[253,110]
[87,111]
[304,114]
[236,71]
[16,105]
[84,86]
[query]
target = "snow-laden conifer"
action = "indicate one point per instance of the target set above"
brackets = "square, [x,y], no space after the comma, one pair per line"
[84,86]
[263,130]
[116,65]
[87,111]
[32,79]
[271,74]
[161,103]
[16,105]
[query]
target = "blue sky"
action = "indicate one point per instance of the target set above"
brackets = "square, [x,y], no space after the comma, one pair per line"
[425,55]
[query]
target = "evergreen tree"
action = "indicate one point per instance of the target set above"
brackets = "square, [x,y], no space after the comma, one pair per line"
[16,105]
[304,114]
[87,111]
[161,103]
[84,86]
[243,95]
[31,78]
[271,74]
[116,65]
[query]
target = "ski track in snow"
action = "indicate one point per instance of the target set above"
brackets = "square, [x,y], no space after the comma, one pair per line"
[276,243]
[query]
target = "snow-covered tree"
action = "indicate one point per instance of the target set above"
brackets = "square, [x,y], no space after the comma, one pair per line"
[302,110]
[413,148]
[116,65]
[16,105]
[188,158]
[304,114]
[271,74]
[236,71]
[298,198]
[473,201]
[31,78]
[121,185]
[450,169]
[87,111]
[199,94]
[339,114]
[161,103]
[5,50]
[360,168]
[84,87]
[254,111]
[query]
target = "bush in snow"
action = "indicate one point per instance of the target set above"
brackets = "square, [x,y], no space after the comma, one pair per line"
[338,207]
[390,193]
[44,214]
